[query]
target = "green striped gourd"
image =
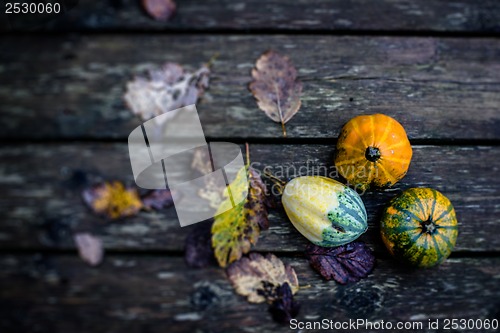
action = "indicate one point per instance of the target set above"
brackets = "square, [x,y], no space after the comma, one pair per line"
[323,210]
[419,227]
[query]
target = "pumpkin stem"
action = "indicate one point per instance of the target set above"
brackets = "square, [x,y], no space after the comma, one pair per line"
[280,184]
[428,226]
[372,154]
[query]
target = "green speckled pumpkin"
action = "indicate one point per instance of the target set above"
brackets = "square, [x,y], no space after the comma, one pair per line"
[325,211]
[419,227]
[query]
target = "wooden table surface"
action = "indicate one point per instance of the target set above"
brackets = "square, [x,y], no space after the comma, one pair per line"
[433,65]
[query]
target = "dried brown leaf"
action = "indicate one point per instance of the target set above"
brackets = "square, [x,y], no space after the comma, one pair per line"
[276,88]
[112,199]
[344,264]
[165,89]
[89,248]
[258,200]
[161,10]
[257,277]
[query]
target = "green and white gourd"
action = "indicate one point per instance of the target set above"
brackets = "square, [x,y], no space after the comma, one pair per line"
[325,211]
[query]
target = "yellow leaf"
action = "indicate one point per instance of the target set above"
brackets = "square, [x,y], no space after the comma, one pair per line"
[112,199]
[234,229]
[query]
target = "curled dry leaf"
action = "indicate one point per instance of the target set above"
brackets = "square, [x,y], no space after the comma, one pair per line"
[157,199]
[284,307]
[112,200]
[161,10]
[258,278]
[89,248]
[344,264]
[165,89]
[276,88]
[235,230]
[258,200]
[198,247]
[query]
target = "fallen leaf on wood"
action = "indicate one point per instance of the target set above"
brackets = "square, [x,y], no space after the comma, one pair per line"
[161,10]
[89,248]
[258,200]
[284,307]
[165,89]
[232,235]
[344,264]
[276,88]
[112,199]
[198,247]
[235,230]
[258,278]
[212,192]
[157,199]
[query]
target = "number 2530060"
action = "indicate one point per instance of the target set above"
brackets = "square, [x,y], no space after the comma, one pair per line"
[470,324]
[32,8]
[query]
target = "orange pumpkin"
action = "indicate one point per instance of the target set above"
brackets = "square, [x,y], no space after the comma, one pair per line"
[373,150]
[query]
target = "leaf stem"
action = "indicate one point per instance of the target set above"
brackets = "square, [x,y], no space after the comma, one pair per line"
[279,109]
[247,151]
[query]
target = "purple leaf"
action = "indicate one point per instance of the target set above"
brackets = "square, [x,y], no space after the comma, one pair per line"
[112,199]
[344,264]
[89,248]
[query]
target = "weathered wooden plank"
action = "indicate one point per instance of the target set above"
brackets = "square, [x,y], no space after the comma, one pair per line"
[39,206]
[438,88]
[340,15]
[149,294]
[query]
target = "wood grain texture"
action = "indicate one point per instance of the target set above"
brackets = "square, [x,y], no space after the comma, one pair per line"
[157,294]
[41,205]
[61,87]
[303,15]
[438,88]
